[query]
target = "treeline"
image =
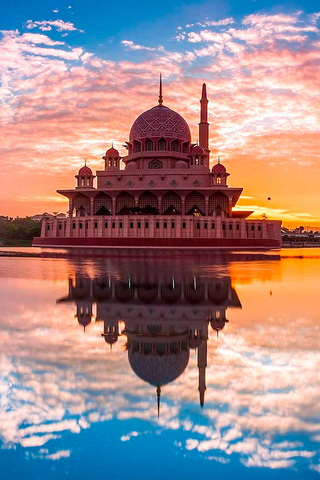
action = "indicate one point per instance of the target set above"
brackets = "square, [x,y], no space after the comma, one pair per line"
[18,229]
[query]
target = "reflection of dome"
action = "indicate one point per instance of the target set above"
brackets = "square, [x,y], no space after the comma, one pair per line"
[219,168]
[111,338]
[195,342]
[160,121]
[218,324]
[158,370]
[85,171]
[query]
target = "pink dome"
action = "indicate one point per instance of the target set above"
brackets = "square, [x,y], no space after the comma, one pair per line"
[85,171]
[112,152]
[132,166]
[160,121]
[180,164]
[197,150]
[219,168]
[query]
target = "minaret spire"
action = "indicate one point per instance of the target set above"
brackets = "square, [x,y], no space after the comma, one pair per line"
[160,101]
[204,125]
[158,399]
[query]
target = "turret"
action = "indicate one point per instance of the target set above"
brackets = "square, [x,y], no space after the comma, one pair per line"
[85,177]
[219,174]
[112,159]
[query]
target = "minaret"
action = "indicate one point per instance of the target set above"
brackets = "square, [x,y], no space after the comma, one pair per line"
[204,125]
[202,365]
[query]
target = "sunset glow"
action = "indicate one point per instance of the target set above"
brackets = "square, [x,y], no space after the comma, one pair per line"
[70,87]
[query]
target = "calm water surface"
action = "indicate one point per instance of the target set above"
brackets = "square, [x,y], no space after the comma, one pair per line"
[157,366]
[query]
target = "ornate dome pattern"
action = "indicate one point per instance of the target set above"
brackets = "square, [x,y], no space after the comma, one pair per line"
[197,150]
[160,121]
[112,152]
[85,171]
[158,370]
[219,168]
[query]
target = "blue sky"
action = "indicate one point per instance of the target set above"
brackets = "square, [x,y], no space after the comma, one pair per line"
[107,23]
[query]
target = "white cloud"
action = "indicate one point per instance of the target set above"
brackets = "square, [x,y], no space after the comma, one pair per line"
[46,25]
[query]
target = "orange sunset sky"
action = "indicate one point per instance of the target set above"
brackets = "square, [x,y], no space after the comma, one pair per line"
[69,88]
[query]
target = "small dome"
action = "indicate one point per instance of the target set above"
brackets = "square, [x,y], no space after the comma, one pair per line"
[112,152]
[197,150]
[180,164]
[219,168]
[132,166]
[85,171]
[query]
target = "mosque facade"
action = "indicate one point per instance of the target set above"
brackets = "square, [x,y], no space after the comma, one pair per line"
[162,194]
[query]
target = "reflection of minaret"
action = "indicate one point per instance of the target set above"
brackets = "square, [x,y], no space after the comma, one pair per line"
[202,365]
[158,399]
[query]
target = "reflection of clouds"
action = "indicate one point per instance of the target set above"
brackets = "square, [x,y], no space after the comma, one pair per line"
[262,383]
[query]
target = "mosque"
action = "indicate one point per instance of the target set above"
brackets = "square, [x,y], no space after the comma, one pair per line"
[162,317]
[162,194]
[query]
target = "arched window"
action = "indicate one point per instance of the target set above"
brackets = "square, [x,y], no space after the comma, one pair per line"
[218,291]
[162,144]
[185,147]
[218,203]
[136,146]
[155,164]
[175,145]
[81,204]
[82,182]
[124,203]
[218,178]
[171,204]
[148,202]
[195,204]
[102,204]
[194,292]
[88,182]
[149,144]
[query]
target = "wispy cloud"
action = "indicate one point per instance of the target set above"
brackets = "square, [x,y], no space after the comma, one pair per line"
[47,25]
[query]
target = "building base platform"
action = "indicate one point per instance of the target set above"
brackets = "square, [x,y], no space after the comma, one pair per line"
[156,243]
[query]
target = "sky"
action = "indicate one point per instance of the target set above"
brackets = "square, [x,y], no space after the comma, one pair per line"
[75,75]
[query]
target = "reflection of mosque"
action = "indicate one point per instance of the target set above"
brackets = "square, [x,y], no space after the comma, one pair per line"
[162,320]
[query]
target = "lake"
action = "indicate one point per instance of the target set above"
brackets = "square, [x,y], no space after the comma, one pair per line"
[153,365]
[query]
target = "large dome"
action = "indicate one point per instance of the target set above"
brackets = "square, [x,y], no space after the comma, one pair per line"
[158,370]
[160,121]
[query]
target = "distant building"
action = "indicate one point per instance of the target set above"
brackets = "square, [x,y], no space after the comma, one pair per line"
[166,195]
[47,216]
